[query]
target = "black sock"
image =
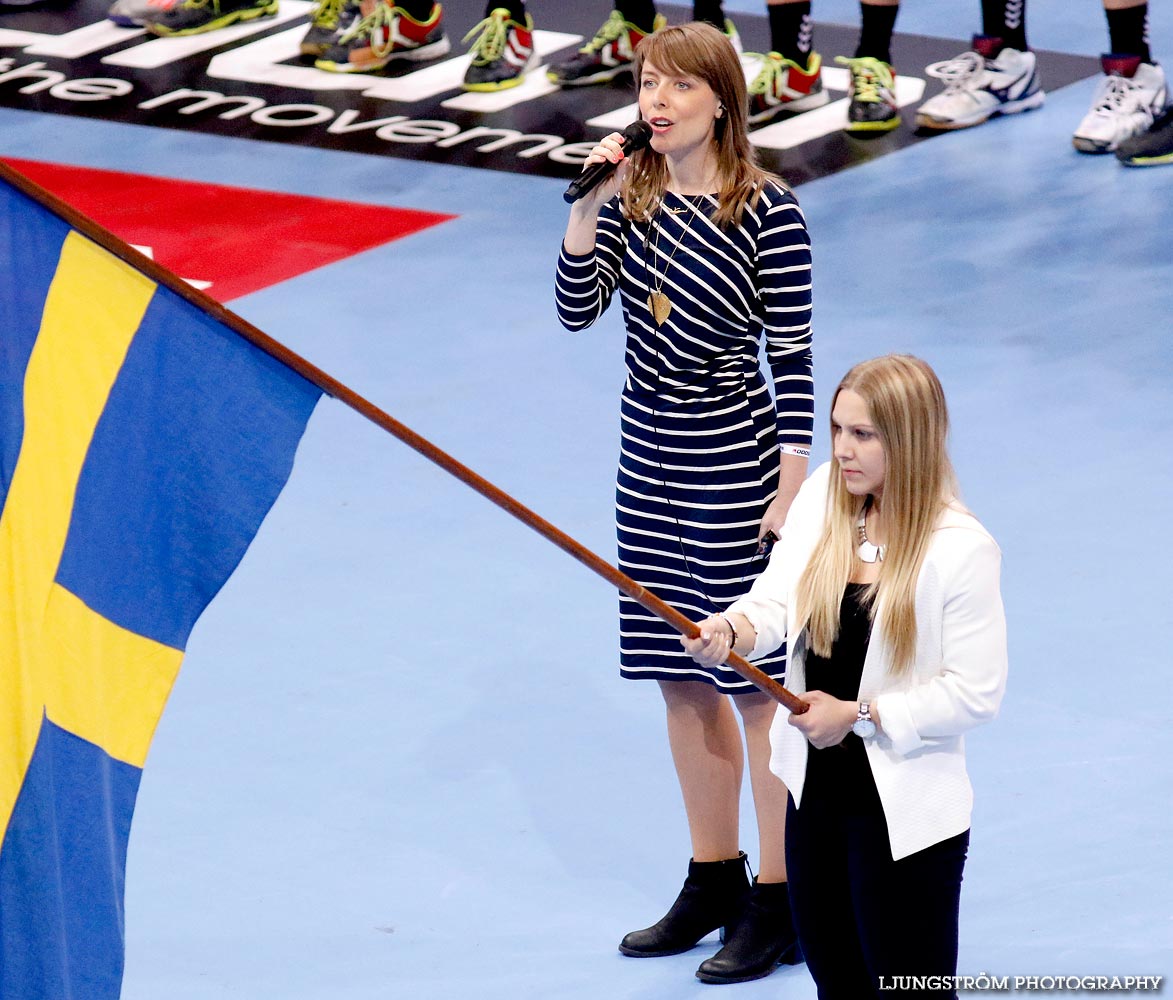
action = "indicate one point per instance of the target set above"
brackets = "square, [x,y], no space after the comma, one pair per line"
[516,8]
[791,31]
[710,11]
[1128,30]
[641,13]
[1005,19]
[875,33]
[421,10]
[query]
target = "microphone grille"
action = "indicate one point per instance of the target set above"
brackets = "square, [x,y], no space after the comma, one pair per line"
[637,135]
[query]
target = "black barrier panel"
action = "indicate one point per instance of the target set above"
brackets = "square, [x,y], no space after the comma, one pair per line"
[249,81]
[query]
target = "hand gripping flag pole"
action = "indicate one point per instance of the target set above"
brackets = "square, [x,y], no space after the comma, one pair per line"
[332,387]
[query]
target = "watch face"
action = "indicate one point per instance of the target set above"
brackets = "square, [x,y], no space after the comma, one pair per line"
[864,728]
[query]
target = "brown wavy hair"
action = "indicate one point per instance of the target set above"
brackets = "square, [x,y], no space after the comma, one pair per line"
[700,51]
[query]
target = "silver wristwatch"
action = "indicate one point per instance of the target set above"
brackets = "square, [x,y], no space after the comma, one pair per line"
[864,727]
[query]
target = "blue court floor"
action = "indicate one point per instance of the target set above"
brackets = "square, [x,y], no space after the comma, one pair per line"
[399,761]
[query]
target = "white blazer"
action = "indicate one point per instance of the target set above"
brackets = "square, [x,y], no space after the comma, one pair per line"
[956,681]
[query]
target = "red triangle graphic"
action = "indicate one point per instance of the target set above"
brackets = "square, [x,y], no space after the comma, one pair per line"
[239,239]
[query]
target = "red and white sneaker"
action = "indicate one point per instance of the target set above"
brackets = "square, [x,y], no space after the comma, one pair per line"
[381,33]
[502,52]
[783,85]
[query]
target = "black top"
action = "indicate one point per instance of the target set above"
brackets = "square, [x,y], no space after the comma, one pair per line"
[845,767]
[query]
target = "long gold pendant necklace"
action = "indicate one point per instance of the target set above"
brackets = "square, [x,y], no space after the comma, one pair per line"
[659,303]
[661,306]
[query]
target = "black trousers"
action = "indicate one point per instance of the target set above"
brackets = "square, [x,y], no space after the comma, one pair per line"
[860,915]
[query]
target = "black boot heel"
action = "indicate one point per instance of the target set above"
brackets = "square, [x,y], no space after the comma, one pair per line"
[713,896]
[762,940]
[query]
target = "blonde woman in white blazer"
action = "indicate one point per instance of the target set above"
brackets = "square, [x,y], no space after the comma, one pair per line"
[887,590]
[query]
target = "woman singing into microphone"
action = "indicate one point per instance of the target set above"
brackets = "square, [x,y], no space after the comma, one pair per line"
[710,256]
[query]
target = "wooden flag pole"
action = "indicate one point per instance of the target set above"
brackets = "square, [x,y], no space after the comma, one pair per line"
[332,387]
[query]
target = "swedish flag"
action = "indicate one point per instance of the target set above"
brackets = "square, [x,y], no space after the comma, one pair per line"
[142,442]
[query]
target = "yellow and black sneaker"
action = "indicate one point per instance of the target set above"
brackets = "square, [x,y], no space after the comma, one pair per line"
[1152,148]
[329,16]
[502,52]
[194,17]
[610,53]
[873,105]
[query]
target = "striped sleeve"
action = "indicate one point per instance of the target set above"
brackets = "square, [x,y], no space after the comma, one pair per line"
[784,278]
[584,283]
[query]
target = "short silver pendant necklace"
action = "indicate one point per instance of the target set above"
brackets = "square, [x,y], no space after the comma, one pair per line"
[869,551]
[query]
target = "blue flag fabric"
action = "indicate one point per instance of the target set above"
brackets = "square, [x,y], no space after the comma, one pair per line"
[142,442]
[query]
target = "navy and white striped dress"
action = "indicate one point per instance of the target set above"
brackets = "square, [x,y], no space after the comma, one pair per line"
[700,434]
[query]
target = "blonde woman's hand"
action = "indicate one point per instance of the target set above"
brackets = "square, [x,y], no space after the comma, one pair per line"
[827,721]
[774,518]
[712,646]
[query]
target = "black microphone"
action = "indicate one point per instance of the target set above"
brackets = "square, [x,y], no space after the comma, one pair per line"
[635,136]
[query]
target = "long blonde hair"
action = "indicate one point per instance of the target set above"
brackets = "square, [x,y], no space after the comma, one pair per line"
[699,50]
[906,405]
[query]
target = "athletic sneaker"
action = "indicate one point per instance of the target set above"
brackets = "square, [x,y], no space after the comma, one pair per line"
[1130,96]
[502,52]
[981,84]
[135,13]
[381,33]
[873,105]
[783,85]
[605,56]
[1153,148]
[329,16]
[732,34]
[194,17]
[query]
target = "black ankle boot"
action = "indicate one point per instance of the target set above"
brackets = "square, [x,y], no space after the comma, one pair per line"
[713,896]
[762,939]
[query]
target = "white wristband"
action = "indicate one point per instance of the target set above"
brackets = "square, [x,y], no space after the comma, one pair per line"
[793,449]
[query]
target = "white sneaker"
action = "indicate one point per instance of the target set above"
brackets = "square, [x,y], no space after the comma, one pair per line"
[1130,96]
[734,37]
[979,86]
